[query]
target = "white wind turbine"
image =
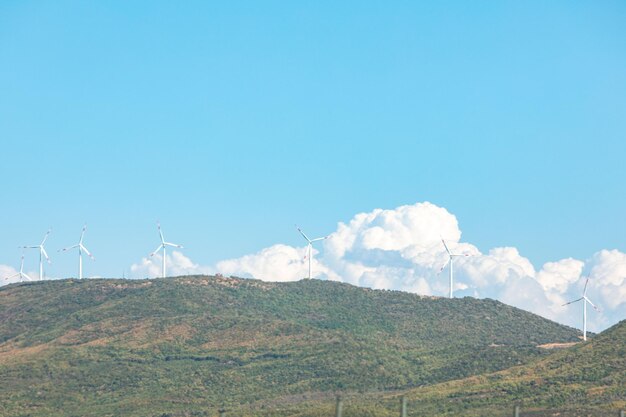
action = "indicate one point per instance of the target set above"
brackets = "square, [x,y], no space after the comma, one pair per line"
[20,274]
[81,249]
[310,246]
[450,261]
[42,253]
[585,300]
[162,246]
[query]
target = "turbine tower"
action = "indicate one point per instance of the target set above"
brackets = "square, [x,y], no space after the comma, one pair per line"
[42,253]
[450,261]
[20,274]
[162,246]
[585,300]
[310,246]
[81,249]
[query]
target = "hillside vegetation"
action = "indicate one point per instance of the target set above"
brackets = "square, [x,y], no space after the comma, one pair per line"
[589,376]
[188,345]
[587,380]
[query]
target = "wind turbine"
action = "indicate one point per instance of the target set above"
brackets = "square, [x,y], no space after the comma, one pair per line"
[585,300]
[450,261]
[81,249]
[310,246]
[42,253]
[162,246]
[20,274]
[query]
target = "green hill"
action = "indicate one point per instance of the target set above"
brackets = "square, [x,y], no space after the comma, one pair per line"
[589,376]
[585,380]
[185,346]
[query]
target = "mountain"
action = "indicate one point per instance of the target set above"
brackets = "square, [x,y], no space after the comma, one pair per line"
[188,345]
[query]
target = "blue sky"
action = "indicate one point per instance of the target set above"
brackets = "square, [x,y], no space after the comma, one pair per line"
[231,122]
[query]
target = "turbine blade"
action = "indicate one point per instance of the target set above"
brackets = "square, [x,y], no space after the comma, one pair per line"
[45,237]
[45,254]
[173,244]
[444,266]
[585,289]
[12,276]
[446,246]
[25,276]
[303,235]
[28,247]
[87,252]
[160,232]
[592,304]
[319,238]
[575,301]
[156,250]
[68,248]
[82,234]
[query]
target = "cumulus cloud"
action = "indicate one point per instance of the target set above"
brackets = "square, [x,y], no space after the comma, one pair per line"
[401,249]
[276,263]
[176,264]
[559,276]
[608,269]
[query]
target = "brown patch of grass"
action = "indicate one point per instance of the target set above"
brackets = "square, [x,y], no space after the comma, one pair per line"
[13,354]
[557,345]
[251,338]
[595,391]
[129,285]
[178,331]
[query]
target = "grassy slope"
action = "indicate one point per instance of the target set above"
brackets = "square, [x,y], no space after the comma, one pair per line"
[587,380]
[588,376]
[187,345]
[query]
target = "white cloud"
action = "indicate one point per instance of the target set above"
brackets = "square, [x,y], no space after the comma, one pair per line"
[499,266]
[559,276]
[176,264]
[526,293]
[276,263]
[608,269]
[406,228]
